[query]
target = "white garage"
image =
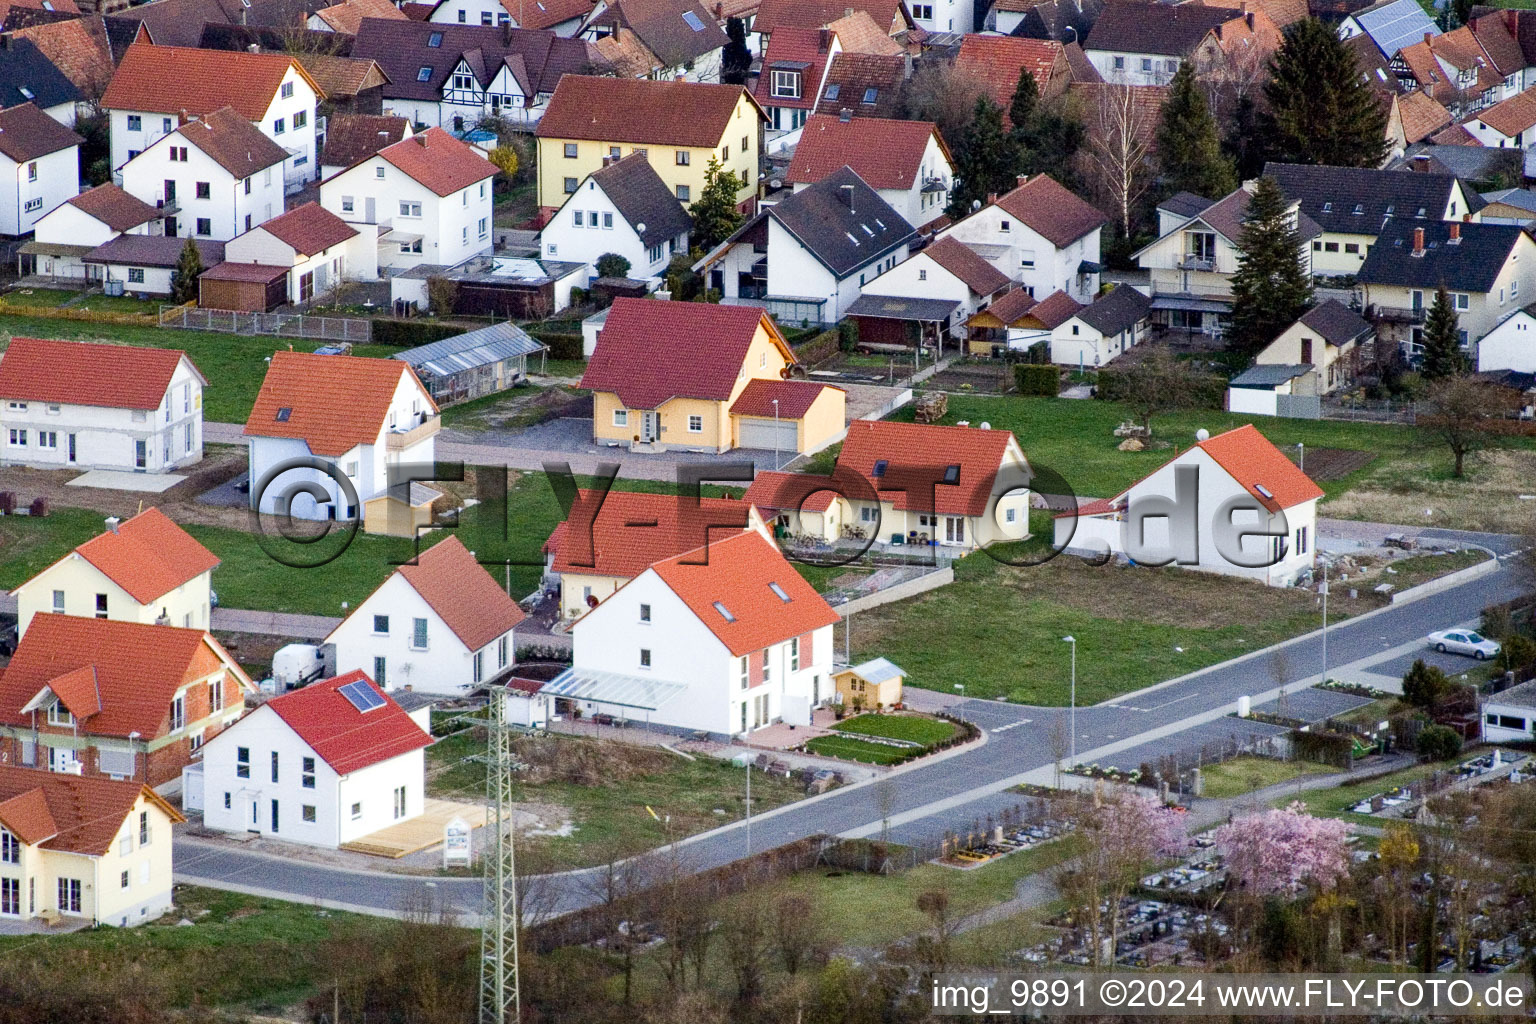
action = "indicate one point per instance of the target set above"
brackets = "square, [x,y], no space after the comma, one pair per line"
[752,432]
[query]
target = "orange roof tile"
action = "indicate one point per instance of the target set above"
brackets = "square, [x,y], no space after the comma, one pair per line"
[916,456]
[171,79]
[775,491]
[308,229]
[463,594]
[78,690]
[138,669]
[886,154]
[333,402]
[1512,116]
[345,738]
[86,373]
[738,575]
[70,813]
[1051,209]
[26,814]
[148,556]
[996,62]
[347,16]
[439,161]
[794,397]
[1422,116]
[631,530]
[1258,466]
[1013,307]
[966,264]
[1055,309]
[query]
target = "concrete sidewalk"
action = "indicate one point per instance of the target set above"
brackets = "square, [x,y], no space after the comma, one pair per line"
[305,627]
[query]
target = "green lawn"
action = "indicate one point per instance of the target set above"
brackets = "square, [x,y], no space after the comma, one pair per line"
[1245,774]
[1423,568]
[119,304]
[48,297]
[855,750]
[234,364]
[1335,802]
[913,728]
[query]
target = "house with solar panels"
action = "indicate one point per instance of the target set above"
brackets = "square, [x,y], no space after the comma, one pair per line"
[477,363]
[323,766]
[1391,25]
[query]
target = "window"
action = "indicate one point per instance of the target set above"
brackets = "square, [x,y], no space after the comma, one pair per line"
[1352,247]
[357,811]
[378,172]
[228,801]
[18,438]
[419,634]
[307,776]
[922,12]
[408,209]
[695,424]
[69,895]
[570,186]
[794,654]
[144,828]
[10,848]
[570,151]
[204,226]
[1012,515]
[165,125]
[743,144]
[400,802]
[58,601]
[277,127]
[10,896]
[463,82]
[615,152]
[204,190]
[725,154]
[1330,246]
[178,712]
[479,666]
[683,193]
[833,90]
[411,246]
[745,674]
[242,762]
[135,275]
[135,123]
[767,669]
[274,766]
[683,157]
[785,84]
[435,40]
[1146,63]
[1463,300]
[645,657]
[379,667]
[621,417]
[1004,226]
[195,742]
[307,812]
[1119,63]
[286,92]
[424,74]
[607,222]
[870,95]
[101,606]
[301,119]
[482,227]
[216,695]
[502,650]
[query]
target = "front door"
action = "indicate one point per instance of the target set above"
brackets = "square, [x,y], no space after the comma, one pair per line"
[954,529]
[140,454]
[369,211]
[274,815]
[649,426]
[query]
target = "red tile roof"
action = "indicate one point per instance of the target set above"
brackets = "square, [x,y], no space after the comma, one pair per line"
[88,373]
[775,491]
[70,813]
[775,14]
[857,75]
[171,79]
[138,669]
[148,556]
[913,451]
[545,13]
[795,398]
[309,229]
[345,738]
[886,154]
[1255,463]
[334,402]
[439,161]
[640,111]
[651,351]
[965,263]
[1013,307]
[737,574]
[995,61]
[463,594]
[808,50]
[1055,309]
[233,141]
[348,15]
[79,691]
[26,133]
[631,531]
[114,207]
[1052,210]
[1511,117]
[78,47]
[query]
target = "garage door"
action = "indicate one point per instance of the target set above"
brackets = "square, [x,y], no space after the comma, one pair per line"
[760,433]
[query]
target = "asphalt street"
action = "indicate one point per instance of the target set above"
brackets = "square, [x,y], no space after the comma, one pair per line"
[924,799]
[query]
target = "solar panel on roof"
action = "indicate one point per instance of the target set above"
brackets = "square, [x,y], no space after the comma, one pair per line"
[362,696]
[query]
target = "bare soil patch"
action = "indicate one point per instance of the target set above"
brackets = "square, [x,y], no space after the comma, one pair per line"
[1412,491]
[220,463]
[1324,464]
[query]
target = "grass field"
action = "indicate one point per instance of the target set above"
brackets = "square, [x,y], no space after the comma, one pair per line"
[851,749]
[1335,802]
[1245,774]
[1408,572]
[913,728]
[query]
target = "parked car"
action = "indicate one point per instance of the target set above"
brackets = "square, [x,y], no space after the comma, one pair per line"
[1464,641]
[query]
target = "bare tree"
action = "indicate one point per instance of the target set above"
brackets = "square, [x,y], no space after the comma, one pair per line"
[745,930]
[1467,414]
[943,95]
[1155,384]
[798,934]
[613,887]
[1121,128]
[943,922]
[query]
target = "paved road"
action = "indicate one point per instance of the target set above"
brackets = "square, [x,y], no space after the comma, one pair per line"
[242,620]
[934,794]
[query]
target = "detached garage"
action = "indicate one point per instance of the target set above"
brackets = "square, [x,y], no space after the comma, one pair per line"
[791,416]
[1510,717]
[244,287]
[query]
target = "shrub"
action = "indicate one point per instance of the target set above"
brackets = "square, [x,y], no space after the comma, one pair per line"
[847,335]
[442,295]
[1438,743]
[39,506]
[409,333]
[1518,652]
[561,345]
[611,264]
[1037,379]
[1206,391]
[1425,686]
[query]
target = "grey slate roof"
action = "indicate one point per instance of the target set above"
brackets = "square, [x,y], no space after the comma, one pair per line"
[843,235]
[1358,200]
[643,199]
[1117,311]
[467,351]
[1269,375]
[877,670]
[1473,265]
[1184,204]
[27,76]
[1521,696]
[1522,198]
[1335,322]
[1463,161]
[152,251]
[1395,24]
[894,307]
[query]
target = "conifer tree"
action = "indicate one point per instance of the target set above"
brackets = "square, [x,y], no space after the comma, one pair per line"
[1188,146]
[1271,287]
[988,160]
[189,267]
[1321,111]
[1442,339]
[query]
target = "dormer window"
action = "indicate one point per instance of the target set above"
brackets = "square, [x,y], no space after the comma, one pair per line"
[879,469]
[1327,207]
[1359,209]
[952,474]
[785,85]
[58,714]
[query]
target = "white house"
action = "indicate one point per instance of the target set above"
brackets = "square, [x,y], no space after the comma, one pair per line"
[807,258]
[1137,43]
[155,88]
[39,167]
[146,570]
[906,162]
[1099,332]
[28,75]
[78,225]
[439,624]
[794,75]
[316,249]
[146,264]
[562,17]
[1231,504]
[1511,345]
[1510,717]
[722,644]
[947,270]
[323,765]
[429,195]
[211,178]
[1040,235]
[356,416]
[120,407]
[1507,124]
[625,209]
[957,16]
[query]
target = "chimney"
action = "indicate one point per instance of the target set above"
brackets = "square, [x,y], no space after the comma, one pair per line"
[847,12]
[1421,162]
[182,117]
[1418,241]
[1427,37]
[845,115]
[1021,179]
[1466,218]
[991,198]
[1455,230]
[1248,17]
[112,522]
[847,191]
[506,34]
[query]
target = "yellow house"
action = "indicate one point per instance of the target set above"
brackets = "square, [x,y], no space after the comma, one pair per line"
[1326,341]
[147,570]
[680,126]
[609,539]
[73,847]
[873,685]
[705,378]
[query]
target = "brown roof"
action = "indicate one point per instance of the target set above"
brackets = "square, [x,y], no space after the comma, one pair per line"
[628,55]
[772,14]
[1281,12]
[886,154]
[87,373]
[138,669]
[1052,210]
[962,261]
[439,161]
[640,111]
[348,15]
[333,402]
[342,77]
[996,62]
[794,398]
[351,138]
[629,531]
[546,13]
[1013,307]
[308,229]
[1056,309]
[1499,43]
[78,47]
[1102,105]
[113,207]
[248,273]
[26,133]
[1082,69]
[463,594]
[662,27]
[1455,135]
[148,556]
[805,49]
[233,142]
[854,74]
[1512,116]
[858,33]
[70,813]
[1422,116]
[170,79]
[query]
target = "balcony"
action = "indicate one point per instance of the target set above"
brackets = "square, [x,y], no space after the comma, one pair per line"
[1193,262]
[1398,314]
[400,439]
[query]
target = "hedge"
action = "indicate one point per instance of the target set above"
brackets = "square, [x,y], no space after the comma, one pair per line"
[1037,379]
[821,346]
[1207,391]
[561,345]
[84,315]
[1332,748]
[410,333]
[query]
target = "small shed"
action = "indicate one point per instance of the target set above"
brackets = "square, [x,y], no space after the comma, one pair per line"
[899,320]
[395,515]
[478,363]
[873,684]
[526,705]
[1264,389]
[245,287]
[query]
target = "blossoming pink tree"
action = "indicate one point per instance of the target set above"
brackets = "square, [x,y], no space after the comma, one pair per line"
[1280,851]
[1123,836]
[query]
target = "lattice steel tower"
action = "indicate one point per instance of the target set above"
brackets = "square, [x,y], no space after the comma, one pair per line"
[498,933]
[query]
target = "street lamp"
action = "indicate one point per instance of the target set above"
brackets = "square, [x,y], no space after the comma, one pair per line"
[1325,622]
[1301,456]
[775,434]
[1072,713]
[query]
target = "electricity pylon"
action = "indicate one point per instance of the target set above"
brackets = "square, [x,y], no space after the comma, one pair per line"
[498,932]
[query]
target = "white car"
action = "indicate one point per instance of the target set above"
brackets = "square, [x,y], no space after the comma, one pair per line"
[1464,641]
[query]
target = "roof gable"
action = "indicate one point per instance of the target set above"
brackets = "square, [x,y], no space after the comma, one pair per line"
[172,79]
[912,451]
[88,373]
[642,199]
[148,556]
[886,154]
[308,229]
[114,207]
[28,76]
[1260,468]
[26,133]
[1051,210]
[462,593]
[841,221]
[231,141]
[333,403]
[439,161]
[343,736]
[641,111]
[71,813]
[1471,265]
[353,138]
[631,530]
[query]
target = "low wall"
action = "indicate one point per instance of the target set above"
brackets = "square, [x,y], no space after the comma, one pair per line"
[905,589]
[1449,580]
[901,399]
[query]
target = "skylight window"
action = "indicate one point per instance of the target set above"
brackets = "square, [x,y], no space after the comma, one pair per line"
[284,413]
[1265,491]
[424,75]
[870,94]
[778,592]
[850,237]
[725,613]
[833,90]
[879,469]
[952,474]
[1359,209]
[868,230]
[693,21]
[1327,207]
[435,40]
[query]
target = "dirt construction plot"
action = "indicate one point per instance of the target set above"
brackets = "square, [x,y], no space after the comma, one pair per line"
[220,463]
[1324,464]
[978,380]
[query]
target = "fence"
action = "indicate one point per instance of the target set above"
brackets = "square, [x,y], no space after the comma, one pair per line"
[1371,411]
[281,325]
